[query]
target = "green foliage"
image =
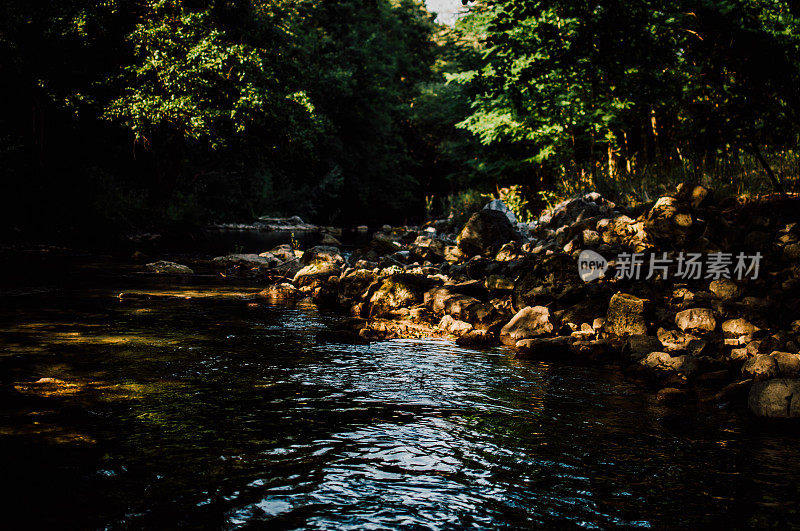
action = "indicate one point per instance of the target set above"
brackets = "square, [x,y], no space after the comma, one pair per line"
[574,89]
[161,111]
[516,201]
[207,111]
[462,205]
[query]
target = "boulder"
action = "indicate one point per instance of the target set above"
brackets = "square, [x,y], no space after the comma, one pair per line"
[429,248]
[788,364]
[618,230]
[661,361]
[738,327]
[627,315]
[592,350]
[454,326]
[163,267]
[725,289]
[670,221]
[283,252]
[354,283]
[510,251]
[640,346]
[330,240]
[287,269]
[529,322]
[477,339]
[775,398]
[696,320]
[500,206]
[792,252]
[378,247]
[398,291]
[674,340]
[444,300]
[761,367]
[322,254]
[692,194]
[548,278]
[698,347]
[485,232]
[314,274]
[279,292]
[591,238]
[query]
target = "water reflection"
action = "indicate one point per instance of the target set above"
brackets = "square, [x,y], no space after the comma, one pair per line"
[206,412]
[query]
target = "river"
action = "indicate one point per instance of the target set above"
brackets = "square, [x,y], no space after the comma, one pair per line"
[209,409]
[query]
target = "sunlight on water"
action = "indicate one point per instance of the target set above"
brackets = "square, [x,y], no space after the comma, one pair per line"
[207,412]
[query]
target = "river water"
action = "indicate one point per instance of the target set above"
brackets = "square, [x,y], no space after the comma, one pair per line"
[208,409]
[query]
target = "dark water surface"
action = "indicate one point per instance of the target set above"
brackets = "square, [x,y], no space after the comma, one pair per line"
[210,412]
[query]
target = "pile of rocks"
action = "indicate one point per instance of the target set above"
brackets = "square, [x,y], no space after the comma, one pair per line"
[499,281]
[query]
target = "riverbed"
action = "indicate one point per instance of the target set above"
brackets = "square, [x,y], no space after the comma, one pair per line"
[205,407]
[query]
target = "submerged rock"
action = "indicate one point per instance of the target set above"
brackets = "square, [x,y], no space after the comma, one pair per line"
[280,292]
[544,348]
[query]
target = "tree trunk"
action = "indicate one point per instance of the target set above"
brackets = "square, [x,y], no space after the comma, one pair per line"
[775,182]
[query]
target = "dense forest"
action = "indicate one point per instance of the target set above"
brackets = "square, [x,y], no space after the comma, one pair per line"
[143,113]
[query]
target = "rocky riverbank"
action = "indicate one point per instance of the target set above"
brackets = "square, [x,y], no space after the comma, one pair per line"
[696,296]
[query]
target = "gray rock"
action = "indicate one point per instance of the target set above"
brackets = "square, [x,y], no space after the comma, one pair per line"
[500,206]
